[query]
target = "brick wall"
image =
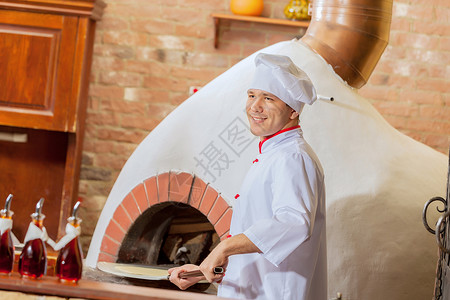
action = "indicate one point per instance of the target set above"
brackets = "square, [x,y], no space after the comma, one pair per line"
[411,84]
[148,53]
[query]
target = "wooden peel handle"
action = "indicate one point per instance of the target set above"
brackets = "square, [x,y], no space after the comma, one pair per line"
[197,273]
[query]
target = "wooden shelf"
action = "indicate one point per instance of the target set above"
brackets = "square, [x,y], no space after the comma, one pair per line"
[88,289]
[218,17]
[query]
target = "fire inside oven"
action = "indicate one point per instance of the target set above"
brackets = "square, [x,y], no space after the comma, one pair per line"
[169,234]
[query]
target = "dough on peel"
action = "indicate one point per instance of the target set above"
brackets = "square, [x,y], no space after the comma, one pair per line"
[143,271]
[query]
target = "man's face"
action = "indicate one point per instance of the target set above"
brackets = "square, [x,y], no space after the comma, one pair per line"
[267,114]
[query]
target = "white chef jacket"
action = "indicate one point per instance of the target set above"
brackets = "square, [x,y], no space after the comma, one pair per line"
[281,209]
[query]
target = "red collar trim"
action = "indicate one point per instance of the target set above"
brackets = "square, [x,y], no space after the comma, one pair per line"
[275,134]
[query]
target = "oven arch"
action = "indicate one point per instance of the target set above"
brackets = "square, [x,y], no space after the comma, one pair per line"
[172,186]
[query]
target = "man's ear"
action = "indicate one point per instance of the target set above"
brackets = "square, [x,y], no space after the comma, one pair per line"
[294,115]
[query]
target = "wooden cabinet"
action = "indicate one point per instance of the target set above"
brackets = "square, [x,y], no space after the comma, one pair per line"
[45,59]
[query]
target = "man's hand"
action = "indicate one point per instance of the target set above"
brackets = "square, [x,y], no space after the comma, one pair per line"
[184,283]
[215,259]
[238,244]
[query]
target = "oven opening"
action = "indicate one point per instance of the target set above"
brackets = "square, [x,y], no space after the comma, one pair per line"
[169,234]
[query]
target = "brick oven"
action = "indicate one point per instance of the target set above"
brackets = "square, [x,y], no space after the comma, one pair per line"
[182,170]
[163,214]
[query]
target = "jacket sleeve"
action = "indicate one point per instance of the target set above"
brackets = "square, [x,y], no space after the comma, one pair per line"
[296,185]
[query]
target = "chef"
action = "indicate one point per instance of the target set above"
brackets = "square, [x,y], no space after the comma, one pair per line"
[277,248]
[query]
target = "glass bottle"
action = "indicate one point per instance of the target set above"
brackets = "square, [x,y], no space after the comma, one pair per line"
[297,10]
[69,264]
[6,242]
[33,259]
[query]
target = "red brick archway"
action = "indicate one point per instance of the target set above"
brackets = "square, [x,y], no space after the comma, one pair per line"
[172,186]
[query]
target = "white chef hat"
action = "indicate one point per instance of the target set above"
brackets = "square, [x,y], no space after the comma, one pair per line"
[278,75]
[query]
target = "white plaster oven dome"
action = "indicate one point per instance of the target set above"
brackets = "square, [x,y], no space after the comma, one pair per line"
[377,179]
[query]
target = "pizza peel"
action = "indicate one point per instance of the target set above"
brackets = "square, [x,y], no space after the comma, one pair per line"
[146,272]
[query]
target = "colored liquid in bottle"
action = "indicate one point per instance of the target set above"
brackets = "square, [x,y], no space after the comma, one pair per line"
[6,252]
[33,259]
[69,264]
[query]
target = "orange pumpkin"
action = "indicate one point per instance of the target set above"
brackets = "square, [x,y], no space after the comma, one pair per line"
[247,7]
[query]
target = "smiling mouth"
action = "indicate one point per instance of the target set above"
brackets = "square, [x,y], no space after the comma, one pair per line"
[258,119]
